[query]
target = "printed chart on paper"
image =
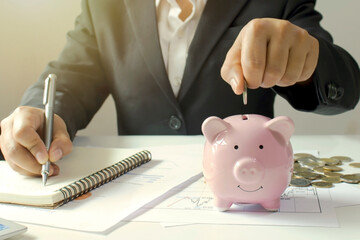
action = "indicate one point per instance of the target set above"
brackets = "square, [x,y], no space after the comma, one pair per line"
[307,206]
[199,197]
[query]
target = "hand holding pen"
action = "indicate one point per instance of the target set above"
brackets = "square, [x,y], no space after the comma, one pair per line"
[22,141]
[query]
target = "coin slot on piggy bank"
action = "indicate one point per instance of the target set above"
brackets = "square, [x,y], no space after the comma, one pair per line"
[248,159]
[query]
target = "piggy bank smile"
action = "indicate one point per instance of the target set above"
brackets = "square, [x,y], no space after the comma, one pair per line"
[245,190]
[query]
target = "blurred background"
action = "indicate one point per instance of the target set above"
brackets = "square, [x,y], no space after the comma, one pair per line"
[34,32]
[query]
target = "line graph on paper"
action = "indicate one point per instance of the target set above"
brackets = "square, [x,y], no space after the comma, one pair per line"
[198,196]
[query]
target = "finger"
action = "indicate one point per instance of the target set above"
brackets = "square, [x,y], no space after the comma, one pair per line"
[253,53]
[297,56]
[237,81]
[19,157]
[310,61]
[294,67]
[26,126]
[54,170]
[231,71]
[276,62]
[23,162]
[21,171]
[61,144]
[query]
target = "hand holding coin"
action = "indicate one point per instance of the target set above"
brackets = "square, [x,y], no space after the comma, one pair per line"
[266,60]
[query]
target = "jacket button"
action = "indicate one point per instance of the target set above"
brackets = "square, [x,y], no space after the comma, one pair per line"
[334,92]
[174,123]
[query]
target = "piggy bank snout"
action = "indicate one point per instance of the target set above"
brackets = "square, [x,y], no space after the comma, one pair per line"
[248,171]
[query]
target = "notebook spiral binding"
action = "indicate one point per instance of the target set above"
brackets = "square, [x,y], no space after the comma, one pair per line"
[95,180]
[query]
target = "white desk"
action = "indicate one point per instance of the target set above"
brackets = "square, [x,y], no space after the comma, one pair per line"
[349,217]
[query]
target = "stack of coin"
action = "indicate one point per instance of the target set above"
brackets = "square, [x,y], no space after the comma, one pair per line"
[321,172]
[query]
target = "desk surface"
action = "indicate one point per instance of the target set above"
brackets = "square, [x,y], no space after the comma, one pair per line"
[348,217]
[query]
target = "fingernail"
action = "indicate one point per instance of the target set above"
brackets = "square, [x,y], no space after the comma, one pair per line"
[51,171]
[41,157]
[55,170]
[56,155]
[233,84]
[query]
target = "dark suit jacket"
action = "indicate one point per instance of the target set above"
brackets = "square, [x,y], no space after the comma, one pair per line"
[114,49]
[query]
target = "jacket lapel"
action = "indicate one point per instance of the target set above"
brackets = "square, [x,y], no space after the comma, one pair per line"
[216,18]
[142,14]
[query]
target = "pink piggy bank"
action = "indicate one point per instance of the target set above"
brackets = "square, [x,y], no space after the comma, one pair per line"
[248,159]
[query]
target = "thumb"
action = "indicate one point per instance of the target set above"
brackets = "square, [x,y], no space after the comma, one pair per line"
[236,79]
[231,70]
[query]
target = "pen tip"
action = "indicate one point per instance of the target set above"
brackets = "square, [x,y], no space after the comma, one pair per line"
[44,179]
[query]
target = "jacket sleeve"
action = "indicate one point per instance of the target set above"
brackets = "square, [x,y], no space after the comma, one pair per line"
[335,83]
[81,85]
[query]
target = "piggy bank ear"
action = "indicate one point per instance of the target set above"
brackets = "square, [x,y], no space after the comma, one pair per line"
[281,127]
[212,126]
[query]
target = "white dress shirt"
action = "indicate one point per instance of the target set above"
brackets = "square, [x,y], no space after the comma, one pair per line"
[175,36]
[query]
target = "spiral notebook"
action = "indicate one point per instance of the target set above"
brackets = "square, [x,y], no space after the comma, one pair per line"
[80,172]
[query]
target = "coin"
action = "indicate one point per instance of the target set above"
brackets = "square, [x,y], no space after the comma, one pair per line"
[319,169]
[331,179]
[342,158]
[333,168]
[322,184]
[313,164]
[321,172]
[333,174]
[330,161]
[296,165]
[302,169]
[356,165]
[296,176]
[245,93]
[300,182]
[351,178]
[310,175]
[303,155]
[310,162]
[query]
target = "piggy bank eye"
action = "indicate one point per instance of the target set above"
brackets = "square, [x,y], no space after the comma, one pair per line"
[261,146]
[236,147]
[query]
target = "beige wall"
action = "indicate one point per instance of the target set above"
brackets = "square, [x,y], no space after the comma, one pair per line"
[33,32]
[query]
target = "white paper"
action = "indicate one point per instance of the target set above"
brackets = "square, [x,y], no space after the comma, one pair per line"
[114,201]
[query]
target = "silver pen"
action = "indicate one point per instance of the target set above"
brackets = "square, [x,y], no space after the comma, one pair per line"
[48,101]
